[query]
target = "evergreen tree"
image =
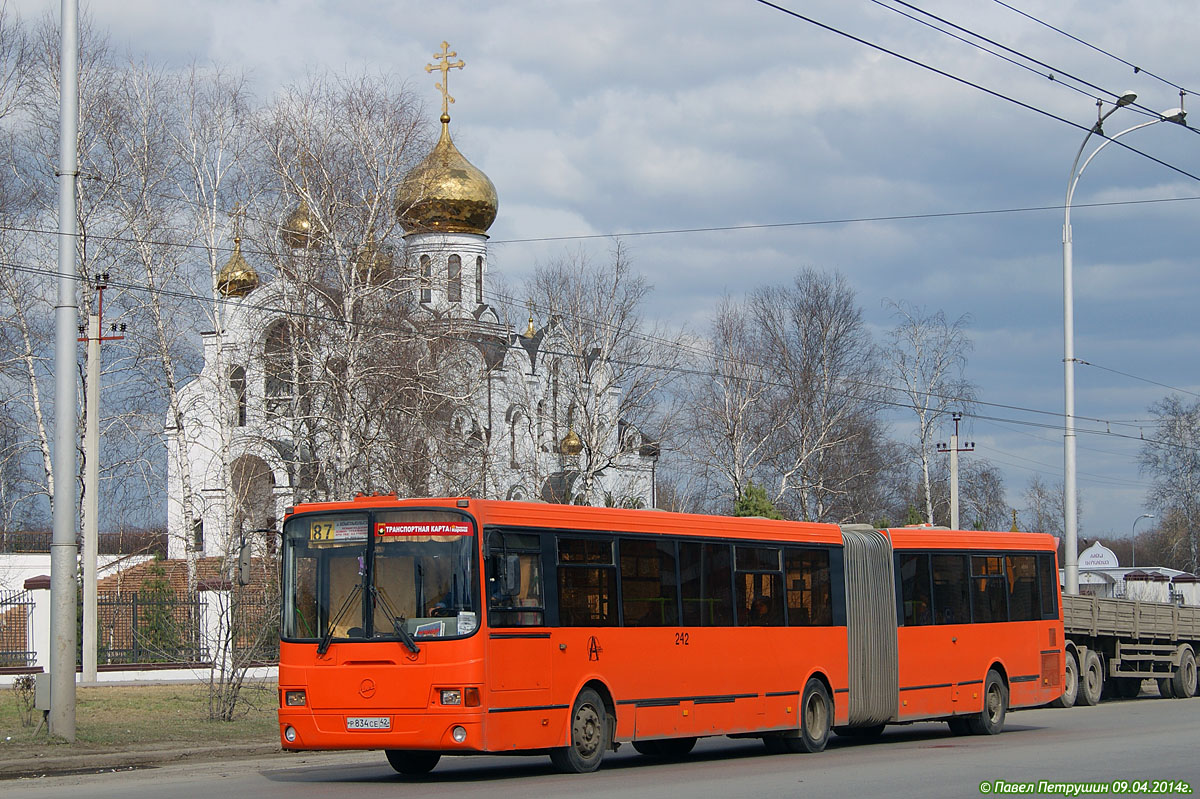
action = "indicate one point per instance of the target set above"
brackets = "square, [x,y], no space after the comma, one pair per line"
[754,502]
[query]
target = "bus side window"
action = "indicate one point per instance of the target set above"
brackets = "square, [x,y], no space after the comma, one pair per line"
[1048,577]
[915,589]
[514,581]
[587,583]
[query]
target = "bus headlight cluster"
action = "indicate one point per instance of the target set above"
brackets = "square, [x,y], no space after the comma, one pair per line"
[468,697]
[294,698]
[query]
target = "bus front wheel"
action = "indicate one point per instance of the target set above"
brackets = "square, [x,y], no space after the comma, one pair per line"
[995,707]
[589,736]
[412,763]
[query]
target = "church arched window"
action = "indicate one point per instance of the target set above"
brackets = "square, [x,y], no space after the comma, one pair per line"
[237,385]
[454,279]
[479,279]
[512,440]
[426,279]
[554,375]
[277,361]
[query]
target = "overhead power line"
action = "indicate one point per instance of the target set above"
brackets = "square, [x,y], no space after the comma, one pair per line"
[1136,69]
[979,87]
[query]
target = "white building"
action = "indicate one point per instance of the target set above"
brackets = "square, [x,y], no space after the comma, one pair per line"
[242,466]
[1101,575]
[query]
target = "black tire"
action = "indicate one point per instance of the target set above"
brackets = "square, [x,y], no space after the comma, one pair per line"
[589,736]
[1165,689]
[861,733]
[990,720]
[1070,682]
[958,725]
[1183,681]
[816,719]
[1091,680]
[412,763]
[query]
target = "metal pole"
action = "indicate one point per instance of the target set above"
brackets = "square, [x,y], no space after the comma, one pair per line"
[1133,537]
[1070,503]
[91,504]
[954,478]
[63,550]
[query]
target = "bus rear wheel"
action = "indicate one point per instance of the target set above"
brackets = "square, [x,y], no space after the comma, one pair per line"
[412,763]
[589,736]
[995,707]
[816,719]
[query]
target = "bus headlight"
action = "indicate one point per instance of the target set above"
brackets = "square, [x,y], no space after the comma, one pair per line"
[294,698]
[451,696]
[289,734]
[459,734]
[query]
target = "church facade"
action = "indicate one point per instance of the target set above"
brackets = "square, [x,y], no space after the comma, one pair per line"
[236,455]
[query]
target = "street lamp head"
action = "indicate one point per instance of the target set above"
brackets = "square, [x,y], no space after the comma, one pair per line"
[1176,115]
[1125,99]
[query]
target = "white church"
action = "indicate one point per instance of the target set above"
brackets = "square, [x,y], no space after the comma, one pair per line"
[235,470]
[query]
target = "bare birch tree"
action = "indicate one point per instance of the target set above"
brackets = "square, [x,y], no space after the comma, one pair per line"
[601,349]
[1171,458]
[927,356]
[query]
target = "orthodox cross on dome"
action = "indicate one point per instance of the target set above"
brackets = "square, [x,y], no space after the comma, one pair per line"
[444,67]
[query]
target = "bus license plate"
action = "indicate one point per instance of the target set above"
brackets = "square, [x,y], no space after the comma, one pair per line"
[368,722]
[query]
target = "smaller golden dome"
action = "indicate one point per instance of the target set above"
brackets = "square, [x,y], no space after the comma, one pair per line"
[571,445]
[372,263]
[301,230]
[446,193]
[237,278]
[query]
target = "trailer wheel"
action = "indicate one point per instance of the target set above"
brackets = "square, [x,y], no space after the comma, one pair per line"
[1070,682]
[1091,679]
[1183,681]
[1165,690]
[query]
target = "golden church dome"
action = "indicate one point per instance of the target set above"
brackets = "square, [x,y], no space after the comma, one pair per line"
[301,230]
[446,193]
[237,278]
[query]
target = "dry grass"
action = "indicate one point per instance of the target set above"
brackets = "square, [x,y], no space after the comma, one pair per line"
[142,716]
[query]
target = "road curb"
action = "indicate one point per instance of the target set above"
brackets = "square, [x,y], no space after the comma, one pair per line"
[45,765]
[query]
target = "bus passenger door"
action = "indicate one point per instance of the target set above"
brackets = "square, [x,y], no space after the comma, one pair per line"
[519,660]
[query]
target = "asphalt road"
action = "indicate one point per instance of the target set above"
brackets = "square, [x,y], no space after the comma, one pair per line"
[1143,739]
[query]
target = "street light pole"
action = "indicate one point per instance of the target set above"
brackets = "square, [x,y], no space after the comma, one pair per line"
[1070,503]
[1133,537]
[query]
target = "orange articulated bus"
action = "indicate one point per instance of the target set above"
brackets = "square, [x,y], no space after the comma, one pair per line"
[431,627]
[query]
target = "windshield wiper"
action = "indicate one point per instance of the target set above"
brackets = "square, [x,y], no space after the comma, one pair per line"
[397,621]
[326,639]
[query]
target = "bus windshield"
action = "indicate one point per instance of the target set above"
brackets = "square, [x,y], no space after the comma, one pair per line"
[390,575]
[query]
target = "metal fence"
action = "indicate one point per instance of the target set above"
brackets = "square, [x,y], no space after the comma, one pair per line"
[256,627]
[16,617]
[148,627]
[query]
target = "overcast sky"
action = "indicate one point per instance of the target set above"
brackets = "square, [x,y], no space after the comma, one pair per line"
[624,116]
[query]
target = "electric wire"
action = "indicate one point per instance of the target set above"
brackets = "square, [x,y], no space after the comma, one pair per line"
[979,87]
[1136,69]
[655,366]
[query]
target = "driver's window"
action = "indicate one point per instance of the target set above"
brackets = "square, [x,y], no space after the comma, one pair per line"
[515,580]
